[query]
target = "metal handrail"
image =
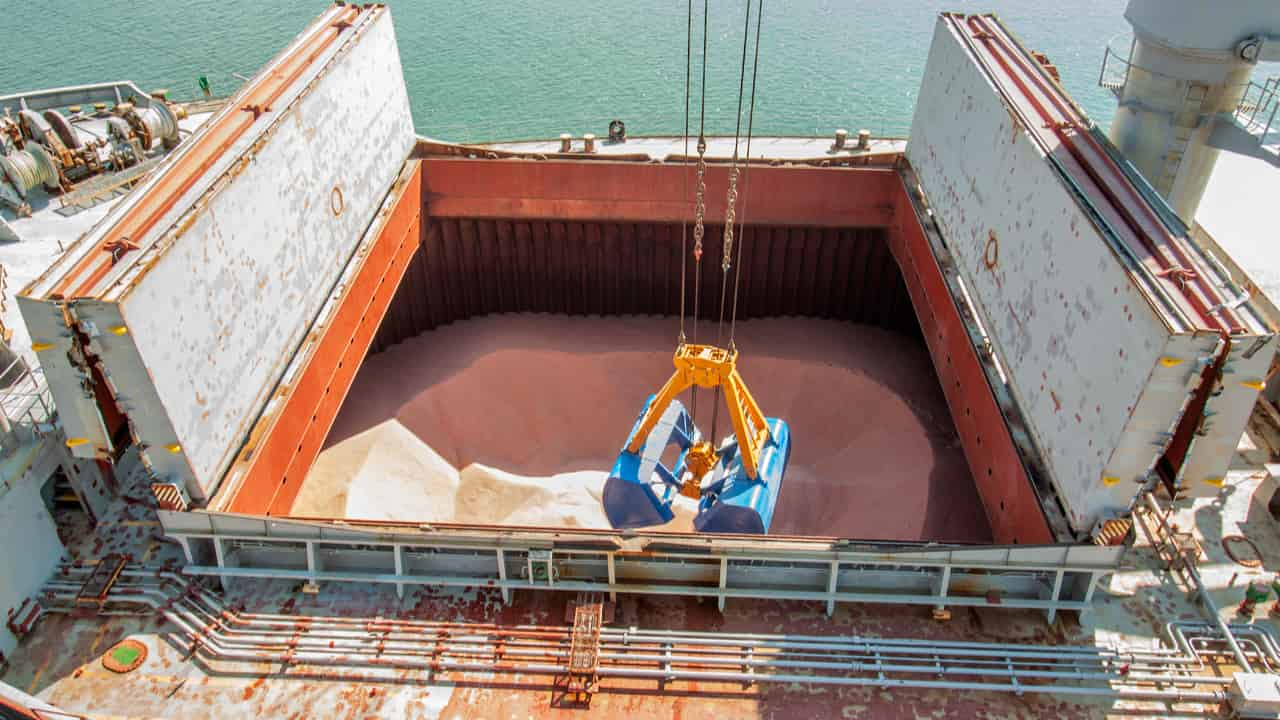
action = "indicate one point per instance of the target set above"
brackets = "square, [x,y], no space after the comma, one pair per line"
[1265,104]
[27,402]
[1107,54]
[1258,104]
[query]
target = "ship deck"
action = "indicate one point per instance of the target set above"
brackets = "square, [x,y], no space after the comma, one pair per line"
[334,404]
[770,148]
[61,661]
[53,226]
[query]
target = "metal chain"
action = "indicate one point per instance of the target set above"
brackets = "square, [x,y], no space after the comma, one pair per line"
[732,195]
[700,202]
[731,210]
[728,218]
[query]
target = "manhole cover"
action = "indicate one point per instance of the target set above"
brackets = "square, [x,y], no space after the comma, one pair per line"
[126,655]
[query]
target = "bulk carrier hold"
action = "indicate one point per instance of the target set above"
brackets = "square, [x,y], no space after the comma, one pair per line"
[308,415]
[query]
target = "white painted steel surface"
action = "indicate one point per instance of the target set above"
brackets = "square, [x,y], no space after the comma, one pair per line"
[311,344]
[1170,103]
[197,328]
[216,355]
[69,383]
[28,536]
[1226,415]
[84,245]
[44,317]
[1168,388]
[1079,339]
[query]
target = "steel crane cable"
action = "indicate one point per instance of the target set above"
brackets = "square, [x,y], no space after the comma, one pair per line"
[700,200]
[731,204]
[746,173]
[731,200]
[684,170]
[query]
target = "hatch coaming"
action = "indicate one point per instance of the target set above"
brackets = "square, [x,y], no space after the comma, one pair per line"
[502,235]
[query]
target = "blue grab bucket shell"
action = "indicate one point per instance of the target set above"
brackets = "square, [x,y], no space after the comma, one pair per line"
[633,497]
[740,504]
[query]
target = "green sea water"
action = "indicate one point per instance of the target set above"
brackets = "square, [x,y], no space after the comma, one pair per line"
[487,70]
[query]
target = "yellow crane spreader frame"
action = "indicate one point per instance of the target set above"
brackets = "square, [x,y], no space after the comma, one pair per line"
[709,366]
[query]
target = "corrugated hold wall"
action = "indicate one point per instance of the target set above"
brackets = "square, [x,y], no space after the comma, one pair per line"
[471,267]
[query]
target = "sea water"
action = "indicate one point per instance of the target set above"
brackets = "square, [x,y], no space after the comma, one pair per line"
[488,70]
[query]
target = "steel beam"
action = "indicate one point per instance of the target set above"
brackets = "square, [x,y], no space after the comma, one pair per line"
[1051,583]
[653,192]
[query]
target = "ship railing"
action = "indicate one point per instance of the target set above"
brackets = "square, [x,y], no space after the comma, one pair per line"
[112,93]
[1114,72]
[26,404]
[1256,112]
[1048,578]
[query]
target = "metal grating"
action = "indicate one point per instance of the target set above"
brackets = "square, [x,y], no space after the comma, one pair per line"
[93,593]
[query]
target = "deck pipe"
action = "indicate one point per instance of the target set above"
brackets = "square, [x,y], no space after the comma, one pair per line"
[206,623]
[210,643]
[1207,604]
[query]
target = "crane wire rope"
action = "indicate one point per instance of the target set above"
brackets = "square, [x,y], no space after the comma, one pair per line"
[731,204]
[700,204]
[746,173]
[684,170]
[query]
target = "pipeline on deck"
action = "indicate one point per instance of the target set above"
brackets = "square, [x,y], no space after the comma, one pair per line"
[1174,671]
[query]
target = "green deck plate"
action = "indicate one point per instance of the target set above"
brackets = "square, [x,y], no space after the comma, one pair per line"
[125,655]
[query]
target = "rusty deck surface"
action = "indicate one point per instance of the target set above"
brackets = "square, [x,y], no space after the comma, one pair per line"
[60,661]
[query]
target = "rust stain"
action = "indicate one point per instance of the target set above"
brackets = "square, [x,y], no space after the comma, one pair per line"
[181,175]
[249,689]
